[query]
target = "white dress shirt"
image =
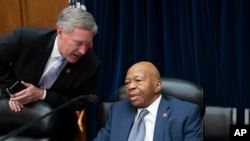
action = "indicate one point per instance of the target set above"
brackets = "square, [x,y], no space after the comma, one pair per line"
[54,56]
[150,119]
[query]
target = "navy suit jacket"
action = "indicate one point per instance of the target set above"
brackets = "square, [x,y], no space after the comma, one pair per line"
[176,121]
[23,56]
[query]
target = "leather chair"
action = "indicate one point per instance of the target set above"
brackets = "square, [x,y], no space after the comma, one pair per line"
[182,89]
[217,121]
[103,113]
[10,122]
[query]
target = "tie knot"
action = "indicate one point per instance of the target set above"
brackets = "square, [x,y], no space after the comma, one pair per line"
[61,59]
[142,114]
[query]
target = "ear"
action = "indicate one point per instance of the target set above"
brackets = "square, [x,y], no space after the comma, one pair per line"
[59,30]
[158,86]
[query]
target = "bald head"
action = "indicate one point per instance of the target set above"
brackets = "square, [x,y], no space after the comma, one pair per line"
[147,68]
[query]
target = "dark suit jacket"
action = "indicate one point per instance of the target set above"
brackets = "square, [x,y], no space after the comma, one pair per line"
[23,56]
[181,123]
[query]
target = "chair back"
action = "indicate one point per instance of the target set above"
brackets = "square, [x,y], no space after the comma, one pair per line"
[178,88]
[217,121]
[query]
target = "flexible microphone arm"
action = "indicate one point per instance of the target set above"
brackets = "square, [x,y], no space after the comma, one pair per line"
[87,98]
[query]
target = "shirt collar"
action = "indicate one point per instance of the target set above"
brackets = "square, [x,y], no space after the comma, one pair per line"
[153,108]
[55,52]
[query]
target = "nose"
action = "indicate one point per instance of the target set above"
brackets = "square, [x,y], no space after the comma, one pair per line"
[131,85]
[83,49]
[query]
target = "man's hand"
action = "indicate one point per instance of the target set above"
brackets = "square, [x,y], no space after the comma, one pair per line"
[30,94]
[15,105]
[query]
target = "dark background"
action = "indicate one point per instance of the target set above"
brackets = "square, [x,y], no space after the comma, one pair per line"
[203,41]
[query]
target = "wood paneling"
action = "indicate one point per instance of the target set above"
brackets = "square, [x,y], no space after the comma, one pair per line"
[10,15]
[42,13]
[38,13]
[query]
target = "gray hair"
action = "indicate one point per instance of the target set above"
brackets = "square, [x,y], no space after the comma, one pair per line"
[70,18]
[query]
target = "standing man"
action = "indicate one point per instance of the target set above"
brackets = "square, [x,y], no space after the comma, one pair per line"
[29,54]
[163,118]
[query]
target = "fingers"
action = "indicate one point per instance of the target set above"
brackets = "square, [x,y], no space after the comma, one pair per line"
[23,98]
[15,105]
[24,101]
[31,94]
[26,84]
[19,97]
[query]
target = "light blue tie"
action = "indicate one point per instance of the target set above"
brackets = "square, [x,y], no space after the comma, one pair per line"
[138,130]
[50,77]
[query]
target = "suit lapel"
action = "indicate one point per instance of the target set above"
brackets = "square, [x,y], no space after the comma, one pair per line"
[163,113]
[46,49]
[127,123]
[64,75]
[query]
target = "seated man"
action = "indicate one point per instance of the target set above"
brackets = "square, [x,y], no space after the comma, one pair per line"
[167,118]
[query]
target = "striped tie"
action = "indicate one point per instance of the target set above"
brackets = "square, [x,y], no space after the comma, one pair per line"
[50,77]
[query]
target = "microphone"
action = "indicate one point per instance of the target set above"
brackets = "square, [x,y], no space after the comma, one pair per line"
[90,98]
[85,98]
